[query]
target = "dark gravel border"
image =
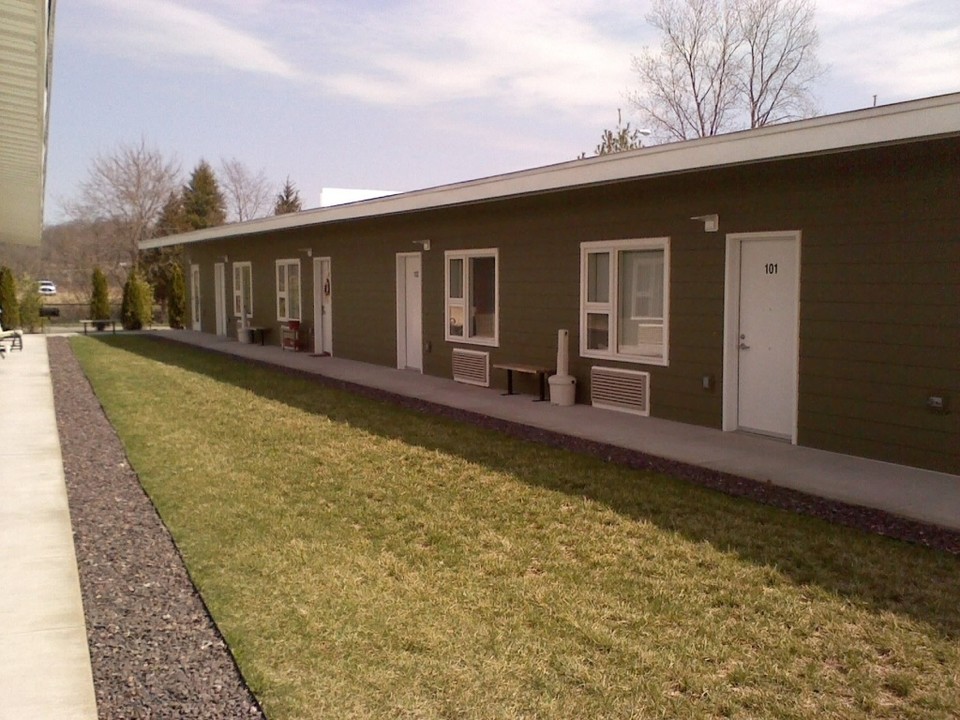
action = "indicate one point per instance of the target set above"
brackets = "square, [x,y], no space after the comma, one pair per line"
[154,649]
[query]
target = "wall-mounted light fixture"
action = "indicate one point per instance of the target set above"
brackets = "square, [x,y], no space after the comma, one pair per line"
[308,251]
[425,244]
[711,223]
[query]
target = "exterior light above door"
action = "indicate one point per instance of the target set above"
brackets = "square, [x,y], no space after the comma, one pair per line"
[711,223]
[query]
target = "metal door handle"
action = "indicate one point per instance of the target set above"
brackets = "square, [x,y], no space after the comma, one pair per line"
[744,346]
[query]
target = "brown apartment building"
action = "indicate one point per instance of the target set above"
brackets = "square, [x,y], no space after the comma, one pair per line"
[800,281]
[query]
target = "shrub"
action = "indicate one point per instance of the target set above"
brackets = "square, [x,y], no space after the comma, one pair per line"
[125,302]
[99,301]
[137,308]
[9,307]
[30,305]
[177,300]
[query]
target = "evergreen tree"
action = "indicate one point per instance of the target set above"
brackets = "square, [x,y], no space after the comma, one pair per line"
[9,306]
[156,266]
[99,300]
[157,263]
[203,203]
[137,308]
[30,302]
[171,219]
[288,199]
[177,299]
[125,303]
[620,140]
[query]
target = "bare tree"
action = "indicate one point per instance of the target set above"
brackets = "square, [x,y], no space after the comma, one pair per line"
[727,65]
[248,195]
[779,44]
[687,90]
[123,195]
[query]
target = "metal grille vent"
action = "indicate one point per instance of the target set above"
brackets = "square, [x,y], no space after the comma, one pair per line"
[471,367]
[623,390]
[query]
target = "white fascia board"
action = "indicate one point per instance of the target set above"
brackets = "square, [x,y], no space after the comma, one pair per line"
[902,122]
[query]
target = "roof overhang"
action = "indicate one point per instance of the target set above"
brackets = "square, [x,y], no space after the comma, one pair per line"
[890,124]
[26,50]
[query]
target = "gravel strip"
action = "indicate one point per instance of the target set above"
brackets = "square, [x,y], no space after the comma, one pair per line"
[154,649]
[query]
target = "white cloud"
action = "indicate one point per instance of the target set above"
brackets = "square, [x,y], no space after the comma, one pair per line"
[523,54]
[897,49]
[159,30]
[563,58]
[858,11]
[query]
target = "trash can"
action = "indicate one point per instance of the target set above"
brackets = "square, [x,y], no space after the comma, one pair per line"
[244,334]
[563,390]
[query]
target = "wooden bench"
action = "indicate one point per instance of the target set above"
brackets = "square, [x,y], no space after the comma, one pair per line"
[539,371]
[14,336]
[98,323]
[257,330]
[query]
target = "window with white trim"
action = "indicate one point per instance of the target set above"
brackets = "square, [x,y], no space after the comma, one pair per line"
[624,300]
[472,296]
[242,290]
[288,290]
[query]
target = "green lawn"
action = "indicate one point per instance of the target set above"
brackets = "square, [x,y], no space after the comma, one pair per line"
[365,561]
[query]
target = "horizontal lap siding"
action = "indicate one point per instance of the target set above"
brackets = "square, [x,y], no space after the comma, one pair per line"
[540,289]
[879,307]
[880,311]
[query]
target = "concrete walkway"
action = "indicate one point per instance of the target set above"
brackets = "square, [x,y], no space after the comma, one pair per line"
[932,497]
[44,662]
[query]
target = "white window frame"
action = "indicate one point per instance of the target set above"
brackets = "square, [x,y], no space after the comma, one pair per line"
[613,249]
[465,256]
[237,301]
[283,296]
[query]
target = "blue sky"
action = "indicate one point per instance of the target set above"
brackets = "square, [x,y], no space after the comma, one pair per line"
[402,95]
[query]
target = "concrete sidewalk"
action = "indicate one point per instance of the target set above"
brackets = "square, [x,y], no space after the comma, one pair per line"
[44,661]
[931,497]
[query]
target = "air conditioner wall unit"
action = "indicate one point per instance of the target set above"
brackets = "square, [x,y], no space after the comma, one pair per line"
[623,390]
[471,367]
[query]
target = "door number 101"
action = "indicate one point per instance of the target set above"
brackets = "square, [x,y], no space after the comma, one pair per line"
[770,268]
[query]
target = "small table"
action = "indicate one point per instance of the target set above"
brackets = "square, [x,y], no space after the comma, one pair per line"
[96,323]
[540,372]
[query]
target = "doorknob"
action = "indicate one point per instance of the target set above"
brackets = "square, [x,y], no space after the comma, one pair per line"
[744,346]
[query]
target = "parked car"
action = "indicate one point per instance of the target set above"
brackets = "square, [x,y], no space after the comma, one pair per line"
[47,287]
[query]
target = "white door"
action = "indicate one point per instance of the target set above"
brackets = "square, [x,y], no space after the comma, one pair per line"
[761,376]
[220,296]
[195,297]
[322,307]
[409,312]
[242,295]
